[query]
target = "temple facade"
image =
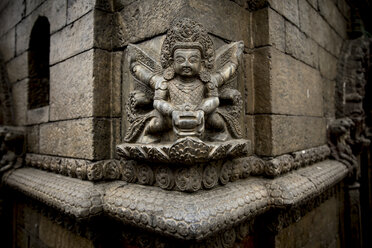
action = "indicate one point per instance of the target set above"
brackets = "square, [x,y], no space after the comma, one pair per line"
[185,123]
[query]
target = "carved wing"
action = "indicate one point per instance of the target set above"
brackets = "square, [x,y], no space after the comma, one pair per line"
[228,53]
[139,106]
[226,63]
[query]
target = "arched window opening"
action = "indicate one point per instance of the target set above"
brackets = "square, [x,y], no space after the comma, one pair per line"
[38,64]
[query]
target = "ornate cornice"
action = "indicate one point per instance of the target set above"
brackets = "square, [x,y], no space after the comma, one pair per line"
[181,215]
[181,177]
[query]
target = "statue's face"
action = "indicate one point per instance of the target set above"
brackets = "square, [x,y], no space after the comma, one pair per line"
[187,62]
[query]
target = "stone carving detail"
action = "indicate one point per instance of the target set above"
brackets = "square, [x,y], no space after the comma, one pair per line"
[184,111]
[179,177]
[183,216]
[12,148]
[340,142]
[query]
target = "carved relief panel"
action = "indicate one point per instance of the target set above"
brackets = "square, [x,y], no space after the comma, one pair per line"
[184,107]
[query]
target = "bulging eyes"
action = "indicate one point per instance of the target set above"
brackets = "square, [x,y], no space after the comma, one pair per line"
[180,60]
[193,59]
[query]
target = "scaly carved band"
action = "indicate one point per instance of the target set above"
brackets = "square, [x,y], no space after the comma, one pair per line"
[178,177]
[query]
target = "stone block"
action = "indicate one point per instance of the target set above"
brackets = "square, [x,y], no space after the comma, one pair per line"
[287,8]
[86,138]
[344,8]
[221,18]
[33,139]
[141,20]
[104,30]
[268,29]
[301,234]
[334,17]
[116,83]
[53,234]
[17,68]
[76,9]
[72,85]
[313,3]
[318,29]
[284,85]
[327,64]
[31,5]
[11,15]
[38,115]
[300,46]
[72,39]
[249,129]
[115,136]
[249,84]
[19,92]
[7,45]
[329,98]
[280,134]
[55,11]
[102,88]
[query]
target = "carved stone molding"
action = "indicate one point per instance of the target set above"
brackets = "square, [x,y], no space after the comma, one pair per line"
[179,177]
[178,214]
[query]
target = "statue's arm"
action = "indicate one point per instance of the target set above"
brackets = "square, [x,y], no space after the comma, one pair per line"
[211,102]
[225,73]
[160,103]
[146,76]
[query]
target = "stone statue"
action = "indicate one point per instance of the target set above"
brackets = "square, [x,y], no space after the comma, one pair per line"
[188,99]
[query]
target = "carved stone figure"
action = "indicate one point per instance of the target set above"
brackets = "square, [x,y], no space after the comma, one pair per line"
[184,109]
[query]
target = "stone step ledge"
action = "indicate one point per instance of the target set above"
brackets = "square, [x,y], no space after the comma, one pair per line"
[189,216]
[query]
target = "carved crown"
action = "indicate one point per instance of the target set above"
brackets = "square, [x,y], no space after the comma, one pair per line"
[186,33]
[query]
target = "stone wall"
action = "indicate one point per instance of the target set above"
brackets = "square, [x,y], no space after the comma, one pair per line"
[291,52]
[80,77]
[295,48]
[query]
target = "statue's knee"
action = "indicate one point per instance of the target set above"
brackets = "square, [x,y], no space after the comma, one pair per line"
[215,121]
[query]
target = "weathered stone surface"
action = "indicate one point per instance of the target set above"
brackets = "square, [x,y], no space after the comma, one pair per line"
[33,139]
[285,85]
[287,8]
[303,234]
[329,98]
[72,85]
[248,94]
[327,64]
[115,136]
[103,137]
[7,45]
[331,13]
[75,138]
[221,18]
[38,115]
[268,29]
[76,9]
[141,20]
[249,126]
[11,15]
[105,34]
[313,3]
[103,83]
[31,5]
[191,216]
[280,134]
[84,83]
[344,8]
[55,11]
[72,39]
[300,46]
[17,68]
[318,29]
[116,83]
[54,235]
[19,92]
